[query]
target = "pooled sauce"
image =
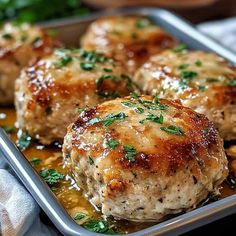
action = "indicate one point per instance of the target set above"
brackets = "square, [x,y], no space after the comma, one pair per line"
[67,192]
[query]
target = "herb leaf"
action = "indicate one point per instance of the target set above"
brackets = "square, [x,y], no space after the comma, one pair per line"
[232,82]
[142,23]
[51,176]
[155,118]
[90,161]
[180,48]
[212,80]
[173,130]
[130,153]
[111,118]
[80,215]
[24,141]
[8,129]
[112,143]
[35,161]
[98,226]
[87,65]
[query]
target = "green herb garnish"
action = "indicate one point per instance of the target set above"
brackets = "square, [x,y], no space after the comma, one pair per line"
[107,70]
[112,143]
[87,65]
[8,129]
[139,110]
[111,118]
[90,161]
[64,61]
[231,180]
[128,103]
[232,83]
[198,63]
[186,77]
[202,88]
[48,110]
[80,215]
[24,141]
[183,66]
[142,23]
[155,118]
[51,176]
[128,81]
[35,161]
[134,95]
[98,226]
[173,130]
[130,153]
[180,48]
[7,36]
[212,80]
[155,100]
[35,40]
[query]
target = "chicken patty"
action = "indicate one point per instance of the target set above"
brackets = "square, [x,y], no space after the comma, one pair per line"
[140,158]
[52,92]
[202,81]
[19,45]
[130,39]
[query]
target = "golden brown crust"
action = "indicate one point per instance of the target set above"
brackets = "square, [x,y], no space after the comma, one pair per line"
[166,155]
[131,40]
[200,80]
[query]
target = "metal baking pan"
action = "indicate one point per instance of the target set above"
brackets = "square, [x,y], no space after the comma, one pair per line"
[69,31]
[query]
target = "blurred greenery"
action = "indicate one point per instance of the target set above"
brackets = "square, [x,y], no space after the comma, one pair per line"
[40,10]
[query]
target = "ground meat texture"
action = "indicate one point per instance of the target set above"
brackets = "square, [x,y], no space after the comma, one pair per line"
[142,159]
[202,81]
[130,39]
[51,93]
[19,46]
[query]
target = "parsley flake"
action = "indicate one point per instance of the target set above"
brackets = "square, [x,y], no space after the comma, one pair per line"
[24,141]
[202,88]
[155,118]
[51,176]
[90,161]
[35,161]
[173,130]
[87,65]
[232,83]
[98,226]
[130,153]
[212,80]
[142,23]
[180,48]
[80,215]
[111,118]
[8,129]
[112,143]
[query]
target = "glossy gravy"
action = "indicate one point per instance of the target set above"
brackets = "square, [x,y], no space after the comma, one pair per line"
[68,193]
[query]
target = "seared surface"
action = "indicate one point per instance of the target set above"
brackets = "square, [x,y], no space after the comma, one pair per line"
[142,159]
[51,93]
[130,39]
[202,81]
[19,46]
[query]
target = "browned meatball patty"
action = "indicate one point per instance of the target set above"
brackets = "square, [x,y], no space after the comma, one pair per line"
[202,81]
[130,39]
[19,46]
[141,159]
[52,92]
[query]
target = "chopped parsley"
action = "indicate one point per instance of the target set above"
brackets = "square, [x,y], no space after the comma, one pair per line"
[80,215]
[186,77]
[36,40]
[98,226]
[232,83]
[130,153]
[180,48]
[105,77]
[7,36]
[111,118]
[51,176]
[90,161]
[142,23]
[128,103]
[8,129]
[139,110]
[173,130]
[198,63]
[24,141]
[155,118]
[107,70]
[112,143]
[212,80]
[128,81]
[155,100]
[35,161]
[64,61]
[183,66]
[87,65]
[133,95]
[202,88]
